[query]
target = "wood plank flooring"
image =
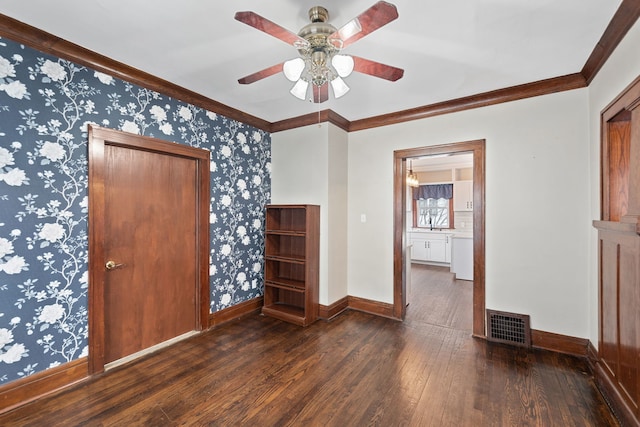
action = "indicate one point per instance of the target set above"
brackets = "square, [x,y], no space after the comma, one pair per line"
[356,370]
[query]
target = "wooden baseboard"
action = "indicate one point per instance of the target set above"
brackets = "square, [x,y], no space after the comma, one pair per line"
[559,343]
[42,383]
[372,307]
[327,312]
[236,311]
[47,382]
[592,357]
[625,414]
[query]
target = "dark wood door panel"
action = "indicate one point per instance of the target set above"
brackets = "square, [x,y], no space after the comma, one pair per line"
[150,205]
[148,213]
[609,306]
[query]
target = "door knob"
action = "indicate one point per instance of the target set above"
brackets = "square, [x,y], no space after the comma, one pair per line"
[111,265]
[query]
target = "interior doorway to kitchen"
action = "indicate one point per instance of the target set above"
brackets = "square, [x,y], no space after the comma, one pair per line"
[473,210]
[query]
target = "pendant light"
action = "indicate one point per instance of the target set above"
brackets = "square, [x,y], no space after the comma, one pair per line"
[412,178]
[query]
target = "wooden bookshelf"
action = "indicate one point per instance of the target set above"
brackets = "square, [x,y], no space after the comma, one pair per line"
[292,249]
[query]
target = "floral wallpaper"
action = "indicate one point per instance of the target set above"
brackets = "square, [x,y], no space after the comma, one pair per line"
[46,104]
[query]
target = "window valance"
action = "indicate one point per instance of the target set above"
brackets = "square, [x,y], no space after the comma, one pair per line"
[437,191]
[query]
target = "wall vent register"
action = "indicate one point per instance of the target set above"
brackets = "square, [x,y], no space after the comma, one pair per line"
[509,328]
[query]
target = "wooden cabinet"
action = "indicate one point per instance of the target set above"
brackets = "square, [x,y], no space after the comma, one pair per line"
[431,247]
[617,372]
[463,196]
[291,254]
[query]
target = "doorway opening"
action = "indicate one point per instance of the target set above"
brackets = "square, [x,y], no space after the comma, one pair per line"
[401,240]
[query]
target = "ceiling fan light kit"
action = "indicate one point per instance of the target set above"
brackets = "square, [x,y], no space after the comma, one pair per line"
[319,43]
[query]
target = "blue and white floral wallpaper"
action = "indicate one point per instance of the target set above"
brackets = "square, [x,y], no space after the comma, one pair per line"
[46,104]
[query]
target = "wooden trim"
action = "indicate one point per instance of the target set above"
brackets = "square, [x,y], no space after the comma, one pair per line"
[312,119]
[25,390]
[372,307]
[51,44]
[42,383]
[514,93]
[330,311]
[237,311]
[559,343]
[618,404]
[399,226]
[98,138]
[629,96]
[622,21]
[203,239]
[592,357]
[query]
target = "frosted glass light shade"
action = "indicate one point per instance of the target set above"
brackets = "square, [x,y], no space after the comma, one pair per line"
[292,69]
[299,90]
[343,64]
[339,87]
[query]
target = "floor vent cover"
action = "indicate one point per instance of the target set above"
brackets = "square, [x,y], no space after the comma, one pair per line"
[509,328]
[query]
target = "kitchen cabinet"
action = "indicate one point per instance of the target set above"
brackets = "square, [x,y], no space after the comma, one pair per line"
[462,257]
[431,247]
[463,196]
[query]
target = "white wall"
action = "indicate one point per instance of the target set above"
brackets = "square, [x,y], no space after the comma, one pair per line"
[337,227]
[542,193]
[537,205]
[620,70]
[309,167]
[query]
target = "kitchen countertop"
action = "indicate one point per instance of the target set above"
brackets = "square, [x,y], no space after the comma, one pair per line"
[454,233]
[463,235]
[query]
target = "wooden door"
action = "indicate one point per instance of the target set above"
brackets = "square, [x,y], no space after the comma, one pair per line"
[147,251]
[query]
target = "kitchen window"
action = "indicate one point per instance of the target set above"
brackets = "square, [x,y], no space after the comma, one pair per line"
[433,213]
[433,206]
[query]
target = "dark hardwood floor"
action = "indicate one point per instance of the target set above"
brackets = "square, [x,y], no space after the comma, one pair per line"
[355,370]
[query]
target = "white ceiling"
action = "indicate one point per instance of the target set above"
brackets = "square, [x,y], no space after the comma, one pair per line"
[448,49]
[441,162]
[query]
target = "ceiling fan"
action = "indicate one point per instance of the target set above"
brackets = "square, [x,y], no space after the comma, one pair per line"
[319,44]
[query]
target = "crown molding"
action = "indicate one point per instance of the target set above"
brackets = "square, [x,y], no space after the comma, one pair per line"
[622,21]
[624,18]
[514,93]
[329,116]
[48,43]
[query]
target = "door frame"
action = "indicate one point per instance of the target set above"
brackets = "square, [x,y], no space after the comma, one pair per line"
[98,138]
[477,148]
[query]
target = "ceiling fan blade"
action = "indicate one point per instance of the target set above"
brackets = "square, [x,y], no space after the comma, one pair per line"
[320,93]
[367,22]
[376,69]
[263,24]
[251,78]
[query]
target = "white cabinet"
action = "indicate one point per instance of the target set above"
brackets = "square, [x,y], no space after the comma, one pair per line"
[418,247]
[431,247]
[463,196]
[462,258]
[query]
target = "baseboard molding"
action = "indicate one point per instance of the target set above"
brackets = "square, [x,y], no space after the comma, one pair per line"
[621,409]
[559,343]
[235,312]
[43,383]
[327,312]
[372,307]
[592,357]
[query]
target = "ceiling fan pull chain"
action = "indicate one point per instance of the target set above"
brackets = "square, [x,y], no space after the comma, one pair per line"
[319,124]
